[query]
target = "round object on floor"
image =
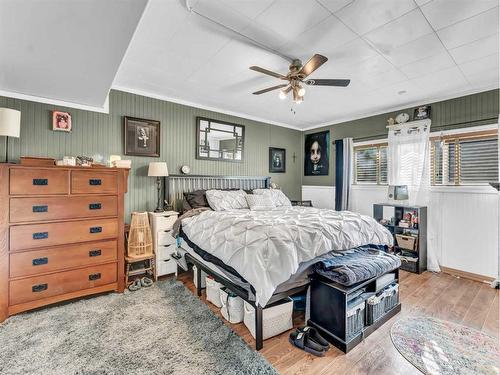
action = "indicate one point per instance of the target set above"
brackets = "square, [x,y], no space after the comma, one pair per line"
[435,346]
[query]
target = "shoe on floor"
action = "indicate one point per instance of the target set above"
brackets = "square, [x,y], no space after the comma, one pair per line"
[302,341]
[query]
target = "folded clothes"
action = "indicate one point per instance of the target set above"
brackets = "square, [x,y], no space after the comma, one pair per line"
[357,265]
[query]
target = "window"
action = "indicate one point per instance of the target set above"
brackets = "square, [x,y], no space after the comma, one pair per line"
[465,159]
[370,164]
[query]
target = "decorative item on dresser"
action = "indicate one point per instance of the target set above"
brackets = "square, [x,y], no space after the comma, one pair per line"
[61,234]
[158,170]
[10,126]
[164,245]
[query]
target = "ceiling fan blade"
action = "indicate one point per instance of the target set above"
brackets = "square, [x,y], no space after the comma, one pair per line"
[268,72]
[314,63]
[328,82]
[270,89]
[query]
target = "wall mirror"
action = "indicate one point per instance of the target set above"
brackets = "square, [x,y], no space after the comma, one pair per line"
[219,140]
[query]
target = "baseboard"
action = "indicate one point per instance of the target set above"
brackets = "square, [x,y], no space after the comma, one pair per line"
[467,275]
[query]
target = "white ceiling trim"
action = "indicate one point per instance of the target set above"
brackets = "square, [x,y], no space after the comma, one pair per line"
[405,106]
[61,103]
[201,106]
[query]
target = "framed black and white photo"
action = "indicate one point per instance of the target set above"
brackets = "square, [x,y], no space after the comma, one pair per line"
[277,160]
[317,154]
[142,137]
[422,112]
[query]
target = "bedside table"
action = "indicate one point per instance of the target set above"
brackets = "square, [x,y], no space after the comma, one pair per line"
[164,245]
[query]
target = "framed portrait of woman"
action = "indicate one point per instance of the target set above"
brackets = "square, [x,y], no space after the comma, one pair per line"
[317,154]
[61,121]
[142,137]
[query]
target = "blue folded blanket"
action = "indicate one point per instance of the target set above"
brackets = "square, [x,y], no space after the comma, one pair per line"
[356,265]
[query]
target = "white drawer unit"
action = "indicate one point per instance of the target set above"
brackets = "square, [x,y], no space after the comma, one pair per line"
[163,242]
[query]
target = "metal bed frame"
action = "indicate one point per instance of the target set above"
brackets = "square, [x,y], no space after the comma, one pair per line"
[176,186]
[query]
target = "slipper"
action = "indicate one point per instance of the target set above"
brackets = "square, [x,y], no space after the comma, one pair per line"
[301,340]
[136,285]
[315,336]
[146,282]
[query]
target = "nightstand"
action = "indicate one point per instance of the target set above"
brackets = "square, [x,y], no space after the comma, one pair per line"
[164,245]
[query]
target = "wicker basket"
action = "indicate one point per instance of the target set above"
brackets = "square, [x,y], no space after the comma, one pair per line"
[140,242]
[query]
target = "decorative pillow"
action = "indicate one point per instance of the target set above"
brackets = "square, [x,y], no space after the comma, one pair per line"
[221,200]
[278,197]
[196,198]
[261,202]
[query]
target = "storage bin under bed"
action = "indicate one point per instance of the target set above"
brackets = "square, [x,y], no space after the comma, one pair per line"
[276,318]
[378,305]
[355,317]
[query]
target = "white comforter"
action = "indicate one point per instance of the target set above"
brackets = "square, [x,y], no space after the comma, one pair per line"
[267,247]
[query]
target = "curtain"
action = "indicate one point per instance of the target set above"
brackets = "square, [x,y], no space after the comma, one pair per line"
[408,164]
[343,172]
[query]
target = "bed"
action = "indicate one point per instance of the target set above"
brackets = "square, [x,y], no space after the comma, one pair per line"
[264,256]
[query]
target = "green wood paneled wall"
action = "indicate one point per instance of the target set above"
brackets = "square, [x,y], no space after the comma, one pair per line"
[471,110]
[103,133]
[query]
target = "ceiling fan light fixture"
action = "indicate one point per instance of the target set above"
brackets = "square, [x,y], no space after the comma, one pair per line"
[299,99]
[282,95]
[302,91]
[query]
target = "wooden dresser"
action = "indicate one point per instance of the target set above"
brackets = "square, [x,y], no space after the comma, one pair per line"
[61,234]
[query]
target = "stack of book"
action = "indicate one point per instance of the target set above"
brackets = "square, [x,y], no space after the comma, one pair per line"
[121,163]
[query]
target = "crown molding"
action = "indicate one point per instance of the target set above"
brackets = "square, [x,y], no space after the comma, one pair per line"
[59,103]
[202,106]
[429,100]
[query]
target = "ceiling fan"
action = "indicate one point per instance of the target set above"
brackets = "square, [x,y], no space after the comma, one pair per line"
[297,75]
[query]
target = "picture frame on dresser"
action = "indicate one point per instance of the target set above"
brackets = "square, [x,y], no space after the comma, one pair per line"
[61,234]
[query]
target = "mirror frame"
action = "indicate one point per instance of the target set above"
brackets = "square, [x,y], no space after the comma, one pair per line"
[197,155]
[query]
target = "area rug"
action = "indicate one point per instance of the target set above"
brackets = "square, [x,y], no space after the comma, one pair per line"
[163,329]
[438,347]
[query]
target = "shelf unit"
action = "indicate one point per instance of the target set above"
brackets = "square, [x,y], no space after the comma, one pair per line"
[420,250]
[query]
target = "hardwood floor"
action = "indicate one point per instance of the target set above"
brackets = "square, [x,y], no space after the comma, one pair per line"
[443,296]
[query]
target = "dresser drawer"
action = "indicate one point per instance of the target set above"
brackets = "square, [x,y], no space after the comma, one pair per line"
[163,223]
[36,181]
[94,182]
[31,236]
[165,238]
[28,263]
[163,252]
[39,287]
[55,208]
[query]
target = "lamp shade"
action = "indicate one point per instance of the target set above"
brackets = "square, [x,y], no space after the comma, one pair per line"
[157,169]
[10,122]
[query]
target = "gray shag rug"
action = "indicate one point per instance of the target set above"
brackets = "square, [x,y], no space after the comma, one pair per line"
[163,329]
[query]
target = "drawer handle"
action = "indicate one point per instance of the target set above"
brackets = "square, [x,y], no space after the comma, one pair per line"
[95,229]
[40,208]
[95,206]
[94,276]
[168,230]
[95,253]
[40,181]
[39,288]
[40,235]
[40,261]
[95,181]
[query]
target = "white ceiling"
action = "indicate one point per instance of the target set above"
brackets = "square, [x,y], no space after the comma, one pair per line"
[429,49]
[64,50]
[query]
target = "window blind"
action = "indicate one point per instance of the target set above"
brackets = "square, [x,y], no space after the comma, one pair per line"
[370,164]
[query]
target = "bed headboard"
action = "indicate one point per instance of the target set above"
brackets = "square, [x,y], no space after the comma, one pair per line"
[177,185]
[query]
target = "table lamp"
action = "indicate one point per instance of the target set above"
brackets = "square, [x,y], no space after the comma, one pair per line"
[158,170]
[10,126]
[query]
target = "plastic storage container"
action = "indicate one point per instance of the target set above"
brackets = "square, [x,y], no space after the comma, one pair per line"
[232,306]
[276,318]
[203,277]
[391,298]
[355,317]
[213,291]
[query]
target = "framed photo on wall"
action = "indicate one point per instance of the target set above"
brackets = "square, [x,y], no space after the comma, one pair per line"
[317,154]
[61,121]
[277,160]
[422,112]
[142,137]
